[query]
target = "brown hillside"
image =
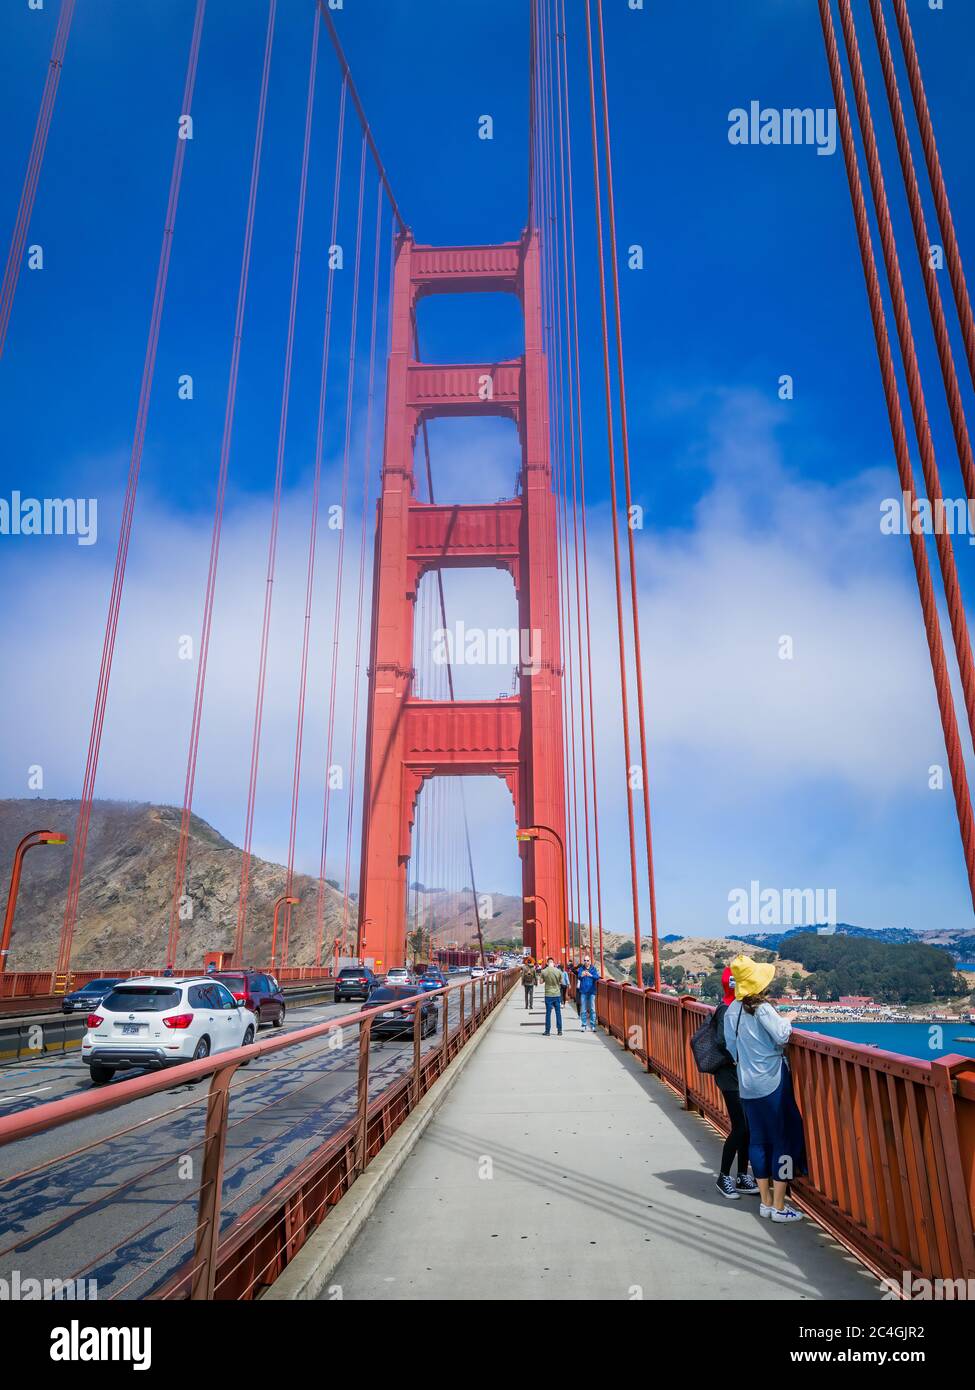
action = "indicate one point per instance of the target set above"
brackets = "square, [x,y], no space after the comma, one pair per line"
[126,892]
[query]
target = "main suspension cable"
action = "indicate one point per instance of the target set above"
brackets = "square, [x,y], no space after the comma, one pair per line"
[25,208]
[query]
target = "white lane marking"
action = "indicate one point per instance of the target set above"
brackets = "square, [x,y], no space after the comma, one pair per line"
[17,1094]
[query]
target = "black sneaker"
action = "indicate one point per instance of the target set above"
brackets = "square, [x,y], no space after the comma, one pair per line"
[726,1186]
[747,1184]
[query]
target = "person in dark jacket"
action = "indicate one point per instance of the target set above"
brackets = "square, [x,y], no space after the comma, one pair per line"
[726,1078]
[529,978]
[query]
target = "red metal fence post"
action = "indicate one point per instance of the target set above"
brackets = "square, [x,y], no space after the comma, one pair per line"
[682,1040]
[362,1092]
[211,1186]
[944,1090]
[417,1030]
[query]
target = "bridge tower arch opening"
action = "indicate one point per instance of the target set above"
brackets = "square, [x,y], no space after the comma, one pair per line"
[441,897]
[410,739]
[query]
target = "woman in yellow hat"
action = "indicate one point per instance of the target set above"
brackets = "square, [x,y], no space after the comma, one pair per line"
[756,1035]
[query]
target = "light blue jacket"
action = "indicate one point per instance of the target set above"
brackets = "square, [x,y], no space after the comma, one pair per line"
[756,1043]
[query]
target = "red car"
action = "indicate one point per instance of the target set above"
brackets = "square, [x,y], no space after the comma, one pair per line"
[257,991]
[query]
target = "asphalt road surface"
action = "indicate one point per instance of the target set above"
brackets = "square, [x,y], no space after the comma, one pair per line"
[78,1203]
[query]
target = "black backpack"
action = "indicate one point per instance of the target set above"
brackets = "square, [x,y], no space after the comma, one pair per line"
[709,1050]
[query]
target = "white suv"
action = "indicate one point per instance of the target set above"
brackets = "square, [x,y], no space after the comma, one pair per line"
[161,1022]
[399,975]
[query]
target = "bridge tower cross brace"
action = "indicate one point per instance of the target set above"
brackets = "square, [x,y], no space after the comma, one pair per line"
[519,739]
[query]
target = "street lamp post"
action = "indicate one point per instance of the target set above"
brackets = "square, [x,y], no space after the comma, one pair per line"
[36,837]
[534,832]
[540,898]
[284,898]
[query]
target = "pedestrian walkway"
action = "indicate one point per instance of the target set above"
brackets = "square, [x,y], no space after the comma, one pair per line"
[557,1169]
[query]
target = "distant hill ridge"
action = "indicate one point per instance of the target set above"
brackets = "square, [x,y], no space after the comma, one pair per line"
[960,943]
[126,891]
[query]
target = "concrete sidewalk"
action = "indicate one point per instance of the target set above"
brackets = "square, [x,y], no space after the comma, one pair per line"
[557,1169]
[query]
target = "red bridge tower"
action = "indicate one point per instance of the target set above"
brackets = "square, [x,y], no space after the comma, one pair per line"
[410,740]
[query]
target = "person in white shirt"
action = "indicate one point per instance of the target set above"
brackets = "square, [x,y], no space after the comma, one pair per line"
[756,1035]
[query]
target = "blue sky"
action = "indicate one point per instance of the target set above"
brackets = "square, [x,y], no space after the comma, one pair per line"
[762,515]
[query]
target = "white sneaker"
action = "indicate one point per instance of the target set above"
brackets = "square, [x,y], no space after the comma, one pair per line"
[787,1214]
[765,1211]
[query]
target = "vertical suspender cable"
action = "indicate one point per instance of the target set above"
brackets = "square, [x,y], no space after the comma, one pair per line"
[313,525]
[566,445]
[557,447]
[276,503]
[562,75]
[182,850]
[366,461]
[946,706]
[128,512]
[340,558]
[582,492]
[625,441]
[532,71]
[450,687]
[611,458]
[15,255]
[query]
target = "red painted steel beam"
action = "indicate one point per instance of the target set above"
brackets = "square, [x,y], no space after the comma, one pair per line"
[464,536]
[478,389]
[467,269]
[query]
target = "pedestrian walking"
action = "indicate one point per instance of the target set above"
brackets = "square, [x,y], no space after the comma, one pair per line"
[756,1035]
[564,982]
[529,979]
[586,977]
[551,978]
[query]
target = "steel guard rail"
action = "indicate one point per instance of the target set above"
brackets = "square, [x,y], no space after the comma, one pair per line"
[21,984]
[257,1245]
[890,1139]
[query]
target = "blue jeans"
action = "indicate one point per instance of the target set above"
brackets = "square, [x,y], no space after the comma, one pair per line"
[553,1004]
[587,1009]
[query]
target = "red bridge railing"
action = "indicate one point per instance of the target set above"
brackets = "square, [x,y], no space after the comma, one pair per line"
[890,1139]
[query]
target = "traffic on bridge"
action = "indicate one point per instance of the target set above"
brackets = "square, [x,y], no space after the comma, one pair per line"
[470,566]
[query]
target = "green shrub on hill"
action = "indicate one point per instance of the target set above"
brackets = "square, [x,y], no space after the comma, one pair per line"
[908,973]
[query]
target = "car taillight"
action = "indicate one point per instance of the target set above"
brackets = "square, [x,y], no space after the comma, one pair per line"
[95,1020]
[178,1021]
[244,999]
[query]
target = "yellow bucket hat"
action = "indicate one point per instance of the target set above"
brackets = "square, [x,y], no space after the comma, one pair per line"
[750,976]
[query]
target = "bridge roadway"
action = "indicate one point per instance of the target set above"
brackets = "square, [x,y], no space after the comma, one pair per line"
[558,1169]
[60,1219]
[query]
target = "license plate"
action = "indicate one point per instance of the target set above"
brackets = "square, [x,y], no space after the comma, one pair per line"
[391,1015]
[131,1029]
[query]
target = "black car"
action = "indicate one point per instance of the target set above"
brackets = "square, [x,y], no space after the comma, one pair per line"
[257,991]
[398,1022]
[355,982]
[84,1000]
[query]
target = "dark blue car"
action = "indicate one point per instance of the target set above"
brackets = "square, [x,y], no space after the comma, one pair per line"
[432,979]
[84,1000]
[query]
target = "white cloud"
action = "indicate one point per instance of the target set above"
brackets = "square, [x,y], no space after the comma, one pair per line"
[761,767]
